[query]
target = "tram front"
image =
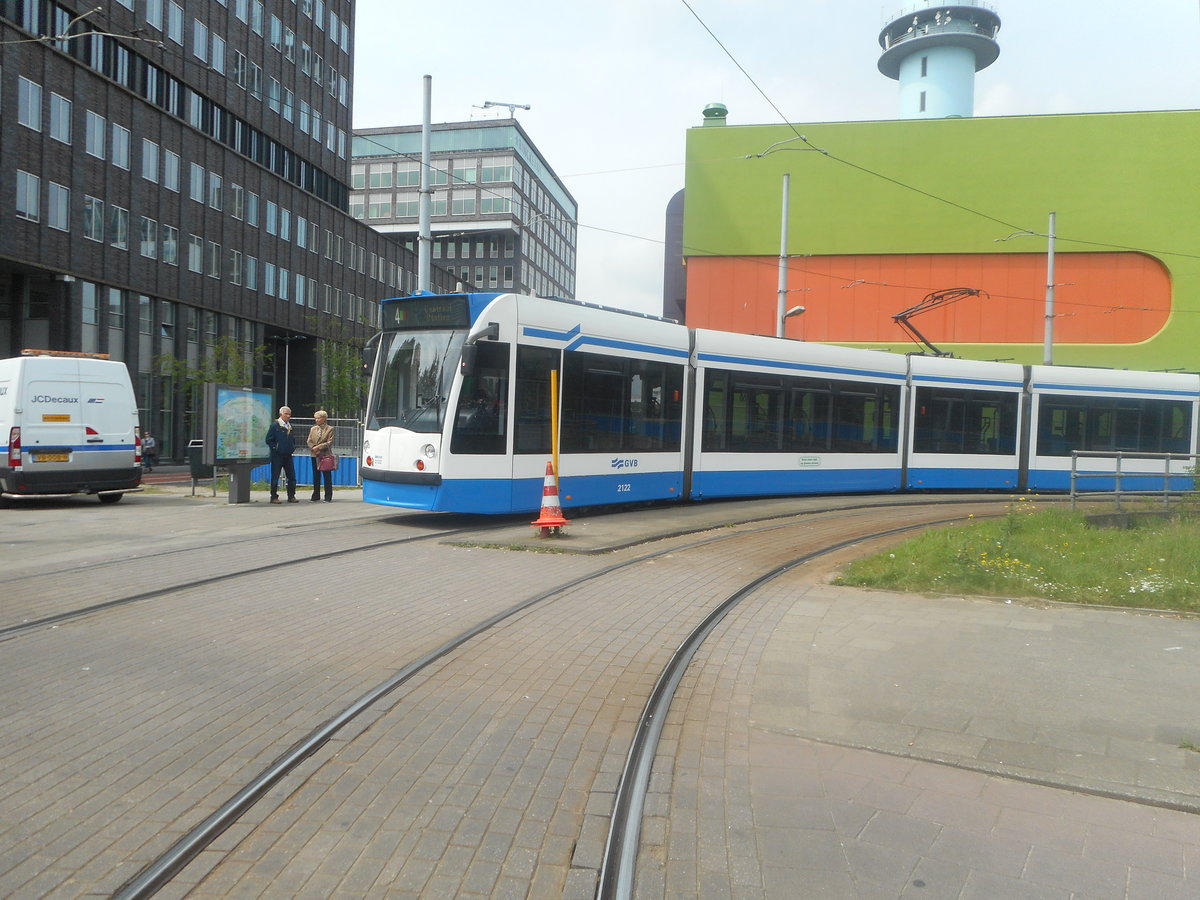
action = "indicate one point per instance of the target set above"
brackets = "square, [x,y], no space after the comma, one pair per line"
[416,378]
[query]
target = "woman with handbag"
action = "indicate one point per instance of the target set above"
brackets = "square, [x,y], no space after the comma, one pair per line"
[320,442]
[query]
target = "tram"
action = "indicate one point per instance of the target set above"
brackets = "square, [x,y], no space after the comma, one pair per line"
[459,412]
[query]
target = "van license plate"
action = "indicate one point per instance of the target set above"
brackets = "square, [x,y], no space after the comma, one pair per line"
[51,457]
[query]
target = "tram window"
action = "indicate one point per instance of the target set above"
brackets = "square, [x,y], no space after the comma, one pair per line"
[1106,423]
[808,418]
[612,404]
[756,416]
[961,421]
[716,413]
[770,414]
[414,381]
[532,399]
[481,420]
[655,405]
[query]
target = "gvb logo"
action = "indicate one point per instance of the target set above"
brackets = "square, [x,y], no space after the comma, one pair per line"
[624,464]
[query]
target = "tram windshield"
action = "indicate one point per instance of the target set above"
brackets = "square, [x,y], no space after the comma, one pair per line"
[414,375]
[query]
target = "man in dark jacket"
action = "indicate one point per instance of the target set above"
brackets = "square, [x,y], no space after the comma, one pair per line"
[279,439]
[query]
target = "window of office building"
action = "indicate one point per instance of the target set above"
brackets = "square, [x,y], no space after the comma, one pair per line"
[149,160]
[60,118]
[145,315]
[195,261]
[252,273]
[149,242]
[380,206]
[120,146]
[196,183]
[217,59]
[94,137]
[214,190]
[89,317]
[212,260]
[381,175]
[170,245]
[93,218]
[200,40]
[118,227]
[58,207]
[29,103]
[29,189]
[171,170]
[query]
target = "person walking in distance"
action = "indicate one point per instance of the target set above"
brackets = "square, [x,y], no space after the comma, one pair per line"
[279,439]
[320,442]
[149,452]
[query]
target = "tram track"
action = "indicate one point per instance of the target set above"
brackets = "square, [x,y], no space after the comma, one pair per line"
[165,867]
[15,630]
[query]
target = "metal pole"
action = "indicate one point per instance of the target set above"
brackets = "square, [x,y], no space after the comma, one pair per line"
[1048,348]
[287,361]
[424,240]
[781,306]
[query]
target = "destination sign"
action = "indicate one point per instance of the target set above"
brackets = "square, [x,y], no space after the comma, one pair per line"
[426,312]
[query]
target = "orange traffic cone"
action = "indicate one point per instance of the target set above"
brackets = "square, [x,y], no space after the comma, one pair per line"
[551,518]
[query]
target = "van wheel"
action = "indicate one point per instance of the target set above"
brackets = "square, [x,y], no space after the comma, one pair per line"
[110,498]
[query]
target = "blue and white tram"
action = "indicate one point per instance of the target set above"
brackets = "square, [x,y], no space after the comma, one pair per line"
[459,412]
[779,417]
[1110,410]
[459,409]
[964,424]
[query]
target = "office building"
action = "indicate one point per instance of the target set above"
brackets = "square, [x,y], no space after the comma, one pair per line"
[174,180]
[501,219]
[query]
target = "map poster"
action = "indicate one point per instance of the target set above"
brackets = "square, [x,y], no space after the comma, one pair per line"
[237,419]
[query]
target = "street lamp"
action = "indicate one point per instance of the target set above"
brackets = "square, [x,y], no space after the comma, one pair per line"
[286,340]
[1048,331]
[781,311]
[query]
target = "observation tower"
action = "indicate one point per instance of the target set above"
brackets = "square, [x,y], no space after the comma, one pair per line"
[934,52]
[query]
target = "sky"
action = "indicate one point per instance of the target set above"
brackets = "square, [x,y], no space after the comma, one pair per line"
[613,87]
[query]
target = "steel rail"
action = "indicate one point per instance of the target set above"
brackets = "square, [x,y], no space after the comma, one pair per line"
[9,632]
[164,868]
[617,868]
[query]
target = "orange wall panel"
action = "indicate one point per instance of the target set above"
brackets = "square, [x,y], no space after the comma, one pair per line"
[1104,298]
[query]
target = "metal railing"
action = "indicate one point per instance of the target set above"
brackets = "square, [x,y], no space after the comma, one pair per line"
[347,435]
[1168,484]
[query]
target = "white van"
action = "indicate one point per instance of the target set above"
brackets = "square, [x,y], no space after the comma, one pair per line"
[68,425]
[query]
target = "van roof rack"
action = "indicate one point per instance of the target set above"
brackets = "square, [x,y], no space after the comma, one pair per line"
[76,353]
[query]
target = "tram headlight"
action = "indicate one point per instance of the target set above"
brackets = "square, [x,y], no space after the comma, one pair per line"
[429,450]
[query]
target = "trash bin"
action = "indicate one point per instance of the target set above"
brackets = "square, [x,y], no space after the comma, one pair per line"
[196,460]
[200,472]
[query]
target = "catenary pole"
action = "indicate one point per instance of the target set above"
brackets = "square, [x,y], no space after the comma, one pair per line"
[1048,348]
[781,305]
[424,238]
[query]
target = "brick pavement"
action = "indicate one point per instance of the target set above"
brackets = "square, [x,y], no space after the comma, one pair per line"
[757,796]
[497,780]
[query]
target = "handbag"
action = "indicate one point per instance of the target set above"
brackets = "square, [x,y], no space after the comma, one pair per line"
[326,463]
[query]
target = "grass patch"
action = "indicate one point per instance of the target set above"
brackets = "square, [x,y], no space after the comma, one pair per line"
[1051,554]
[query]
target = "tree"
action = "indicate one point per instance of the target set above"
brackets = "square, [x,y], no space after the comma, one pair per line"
[225,361]
[344,385]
